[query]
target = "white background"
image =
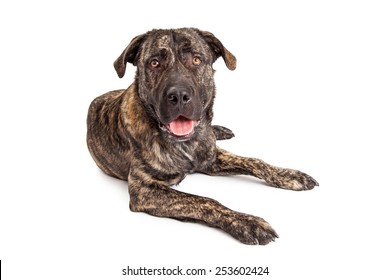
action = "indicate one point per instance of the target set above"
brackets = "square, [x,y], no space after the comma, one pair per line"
[309,93]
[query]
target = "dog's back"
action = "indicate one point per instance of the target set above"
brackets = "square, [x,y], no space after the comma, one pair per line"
[107,147]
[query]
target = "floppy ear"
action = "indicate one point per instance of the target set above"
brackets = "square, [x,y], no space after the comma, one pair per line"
[130,54]
[218,49]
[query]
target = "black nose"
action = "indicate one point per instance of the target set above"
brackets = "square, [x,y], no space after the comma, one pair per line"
[178,95]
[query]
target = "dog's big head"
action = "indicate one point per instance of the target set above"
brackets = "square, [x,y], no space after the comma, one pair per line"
[175,76]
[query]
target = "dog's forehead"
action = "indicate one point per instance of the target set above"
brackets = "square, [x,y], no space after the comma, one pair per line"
[175,40]
[188,38]
[162,42]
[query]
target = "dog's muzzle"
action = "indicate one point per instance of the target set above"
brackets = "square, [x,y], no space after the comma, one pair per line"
[180,111]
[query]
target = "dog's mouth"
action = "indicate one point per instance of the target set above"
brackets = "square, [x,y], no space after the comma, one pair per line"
[181,128]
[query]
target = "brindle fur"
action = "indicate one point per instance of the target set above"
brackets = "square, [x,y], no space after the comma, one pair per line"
[126,139]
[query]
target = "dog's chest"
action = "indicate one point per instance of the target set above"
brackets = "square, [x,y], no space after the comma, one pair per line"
[183,157]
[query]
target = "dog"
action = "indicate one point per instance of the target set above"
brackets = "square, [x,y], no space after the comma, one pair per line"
[158,130]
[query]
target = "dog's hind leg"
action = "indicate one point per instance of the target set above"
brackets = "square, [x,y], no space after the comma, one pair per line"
[222,133]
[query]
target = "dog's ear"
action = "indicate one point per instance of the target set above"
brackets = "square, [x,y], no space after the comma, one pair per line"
[218,49]
[130,54]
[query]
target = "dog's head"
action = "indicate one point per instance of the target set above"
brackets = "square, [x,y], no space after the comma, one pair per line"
[175,76]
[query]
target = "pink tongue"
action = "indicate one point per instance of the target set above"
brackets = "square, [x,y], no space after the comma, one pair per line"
[181,126]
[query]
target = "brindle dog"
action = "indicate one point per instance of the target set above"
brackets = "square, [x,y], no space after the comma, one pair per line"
[159,130]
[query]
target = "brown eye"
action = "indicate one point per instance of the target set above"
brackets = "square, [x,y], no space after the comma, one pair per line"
[154,63]
[196,61]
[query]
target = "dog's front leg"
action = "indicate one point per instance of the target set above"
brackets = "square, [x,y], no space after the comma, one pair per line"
[158,199]
[230,164]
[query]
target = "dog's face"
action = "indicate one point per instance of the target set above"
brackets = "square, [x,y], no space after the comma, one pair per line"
[175,70]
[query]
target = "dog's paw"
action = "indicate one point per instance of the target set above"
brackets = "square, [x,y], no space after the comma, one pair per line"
[295,180]
[251,230]
[222,133]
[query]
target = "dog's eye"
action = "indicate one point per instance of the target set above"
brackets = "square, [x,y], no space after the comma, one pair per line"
[154,63]
[196,61]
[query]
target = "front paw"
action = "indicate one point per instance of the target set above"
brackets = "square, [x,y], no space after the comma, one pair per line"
[250,229]
[295,180]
